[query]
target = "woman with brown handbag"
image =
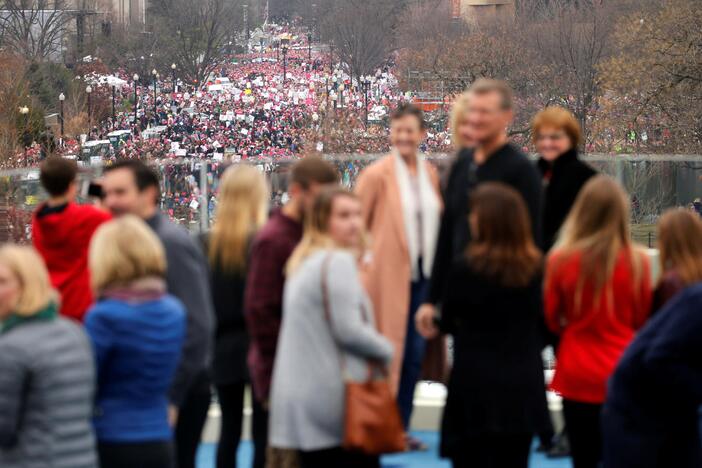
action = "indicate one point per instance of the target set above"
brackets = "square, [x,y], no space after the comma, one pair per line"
[327,338]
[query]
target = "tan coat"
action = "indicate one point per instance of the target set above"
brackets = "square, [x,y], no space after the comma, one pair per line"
[388,276]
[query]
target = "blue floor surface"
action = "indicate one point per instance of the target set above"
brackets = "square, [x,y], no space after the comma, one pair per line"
[430,459]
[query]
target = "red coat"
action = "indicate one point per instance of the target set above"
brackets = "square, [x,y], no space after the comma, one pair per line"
[62,238]
[593,339]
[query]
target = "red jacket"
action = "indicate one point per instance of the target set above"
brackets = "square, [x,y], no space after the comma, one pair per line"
[593,339]
[62,237]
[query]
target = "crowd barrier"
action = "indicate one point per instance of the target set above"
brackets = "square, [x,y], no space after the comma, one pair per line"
[655,182]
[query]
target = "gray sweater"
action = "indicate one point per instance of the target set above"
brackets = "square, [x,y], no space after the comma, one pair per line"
[47,383]
[187,279]
[307,399]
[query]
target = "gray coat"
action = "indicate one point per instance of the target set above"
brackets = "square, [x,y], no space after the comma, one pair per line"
[307,399]
[187,279]
[47,384]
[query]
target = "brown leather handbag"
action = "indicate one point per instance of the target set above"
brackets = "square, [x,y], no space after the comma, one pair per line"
[372,418]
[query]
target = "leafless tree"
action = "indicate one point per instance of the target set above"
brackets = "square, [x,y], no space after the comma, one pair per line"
[195,34]
[361,31]
[34,29]
[573,42]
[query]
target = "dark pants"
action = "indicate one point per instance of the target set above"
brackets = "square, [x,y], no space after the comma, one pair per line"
[140,455]
[231,403]
[259,434]
[192,416]
[337,458]
[584,421]
[414,352]
[495,451]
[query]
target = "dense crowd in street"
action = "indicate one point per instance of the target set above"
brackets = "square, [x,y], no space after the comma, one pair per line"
[247,109]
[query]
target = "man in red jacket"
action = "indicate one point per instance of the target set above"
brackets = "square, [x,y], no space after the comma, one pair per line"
[61,232]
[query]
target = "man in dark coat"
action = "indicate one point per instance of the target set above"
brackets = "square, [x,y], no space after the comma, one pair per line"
[650,419]
[494,159]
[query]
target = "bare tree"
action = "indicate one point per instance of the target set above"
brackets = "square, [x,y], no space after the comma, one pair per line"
[573,42]
[195,34]
[34,29]
[362,31]
[655,78]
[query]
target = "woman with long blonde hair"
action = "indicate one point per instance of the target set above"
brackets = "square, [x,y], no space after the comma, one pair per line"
[326,316]
[680,245]
[241,211]
[597,295]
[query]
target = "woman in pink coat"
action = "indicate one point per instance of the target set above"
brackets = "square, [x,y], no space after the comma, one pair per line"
[402,208]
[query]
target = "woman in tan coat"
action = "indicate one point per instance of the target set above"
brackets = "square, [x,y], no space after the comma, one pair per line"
[401,208]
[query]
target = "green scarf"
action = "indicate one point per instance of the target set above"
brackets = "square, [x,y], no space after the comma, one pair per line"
[50,312]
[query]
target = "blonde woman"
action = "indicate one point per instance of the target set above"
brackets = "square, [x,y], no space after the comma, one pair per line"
[597,295]
[137,332]
[680,245]
[241,211]
[46,371]
[307,398]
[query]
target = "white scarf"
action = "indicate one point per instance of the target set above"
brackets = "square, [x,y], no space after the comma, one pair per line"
[431,214]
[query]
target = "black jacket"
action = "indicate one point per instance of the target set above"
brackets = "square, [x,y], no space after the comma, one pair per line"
[508,165]
[564,178]
[231,339]
[497,381]
[650,419]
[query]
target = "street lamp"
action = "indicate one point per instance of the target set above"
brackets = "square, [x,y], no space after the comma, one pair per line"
[341,94]
[366,85]
[136,102]
[114,90]
[309,45]
[155,75]
[285,47]
[173,70]
[62,97]
[89,91]
[24,110]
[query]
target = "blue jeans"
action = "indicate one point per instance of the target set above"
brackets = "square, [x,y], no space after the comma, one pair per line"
[414,351]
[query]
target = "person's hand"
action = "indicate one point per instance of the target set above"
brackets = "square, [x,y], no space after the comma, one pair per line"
[424,321]
[172,415]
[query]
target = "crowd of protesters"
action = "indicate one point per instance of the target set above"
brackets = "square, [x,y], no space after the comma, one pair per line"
[340,293]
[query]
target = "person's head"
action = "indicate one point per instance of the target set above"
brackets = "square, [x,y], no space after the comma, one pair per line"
[308,176]
[680,244]
[502,244]
[122,251]
[489,109]
[407,129]
[597,229]
[555,131]
[131,187]
[58,177]
[334,220]
[25,288]
[460,129]
[241,210]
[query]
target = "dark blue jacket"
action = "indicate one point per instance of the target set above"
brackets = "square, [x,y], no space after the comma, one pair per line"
[650,417]
[137,347]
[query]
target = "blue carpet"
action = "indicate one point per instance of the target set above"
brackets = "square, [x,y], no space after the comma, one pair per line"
[430,459]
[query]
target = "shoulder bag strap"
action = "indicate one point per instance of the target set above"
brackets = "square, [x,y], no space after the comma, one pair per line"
[327,314]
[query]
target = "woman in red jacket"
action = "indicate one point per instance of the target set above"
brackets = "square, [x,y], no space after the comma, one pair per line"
[597,294]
